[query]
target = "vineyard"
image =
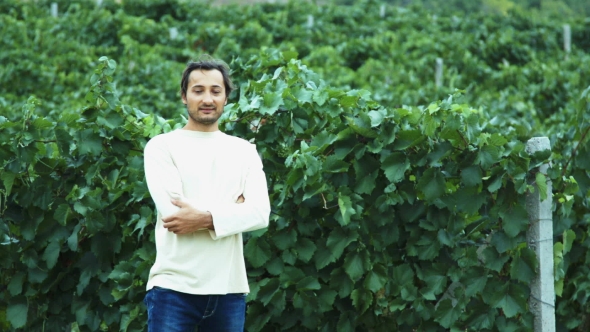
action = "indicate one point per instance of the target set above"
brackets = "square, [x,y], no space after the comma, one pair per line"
[393,139]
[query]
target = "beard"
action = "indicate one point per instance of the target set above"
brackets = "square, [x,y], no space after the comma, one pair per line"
[205,120]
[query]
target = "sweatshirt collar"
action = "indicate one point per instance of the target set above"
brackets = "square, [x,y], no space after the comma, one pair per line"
[199,134]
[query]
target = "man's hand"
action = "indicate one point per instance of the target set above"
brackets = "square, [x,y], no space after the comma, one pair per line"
[188,219]
[241,199]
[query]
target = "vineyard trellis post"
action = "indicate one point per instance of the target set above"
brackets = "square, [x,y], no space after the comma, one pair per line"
[540,239]
[567,40]
[54,9]
[438,72]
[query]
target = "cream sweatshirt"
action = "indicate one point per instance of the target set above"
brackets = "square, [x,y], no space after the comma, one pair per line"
[209,170]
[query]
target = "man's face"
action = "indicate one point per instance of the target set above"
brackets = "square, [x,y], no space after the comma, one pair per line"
[204,99]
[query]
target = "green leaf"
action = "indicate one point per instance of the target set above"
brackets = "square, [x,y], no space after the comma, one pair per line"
[471,176]
[8,181]
[333,164]
[284,239]
[469,199]
[395,166]
[496,183]
[361,127]
[348,101]
[435,285]
[541,182]
[268,290]
[338,240]
[345,205]
[354,265]
[497,140]
[61,214]
[366,184]
[126,319]
[51,254]
[302,95]
[376,117]
[300,125]
[524,265]
[361,299]
[271,103]
[376,278]
[430,125]
[403,275]
[326,299]
[445,238]
[89,142]
[320,96]
[487,156]
[481,318]
[514,220]
[17,315]
[308,283]
[503,243]
[510,297]
[257,251]
[42,123]
[110,120]
[305,249]
[15,286]
[475,280]
[259,317]
[408,138]
[493,260]
[446,314]
[37,275]
[345,323]
[323,139]
[568,240]
[432,184]
[112,64]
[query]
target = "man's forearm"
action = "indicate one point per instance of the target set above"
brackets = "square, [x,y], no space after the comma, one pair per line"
[188,219]
[209,221]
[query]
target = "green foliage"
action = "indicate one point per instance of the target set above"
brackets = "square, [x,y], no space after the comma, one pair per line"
[396,204]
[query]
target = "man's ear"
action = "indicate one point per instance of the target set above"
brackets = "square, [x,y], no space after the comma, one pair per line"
[183,98]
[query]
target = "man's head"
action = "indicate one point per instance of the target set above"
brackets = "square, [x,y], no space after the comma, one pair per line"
[207,63]
[205,87]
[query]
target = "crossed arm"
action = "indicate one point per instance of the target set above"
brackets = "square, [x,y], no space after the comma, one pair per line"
[188,219]
[182,216]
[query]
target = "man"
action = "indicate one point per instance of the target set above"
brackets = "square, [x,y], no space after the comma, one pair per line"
[208,188]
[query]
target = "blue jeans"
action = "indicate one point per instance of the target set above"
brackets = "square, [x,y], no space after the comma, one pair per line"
[172,311]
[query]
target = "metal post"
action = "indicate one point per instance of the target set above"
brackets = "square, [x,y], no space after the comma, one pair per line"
[54,9]
[173,32]
[438,75]
[540,238]
[567,38]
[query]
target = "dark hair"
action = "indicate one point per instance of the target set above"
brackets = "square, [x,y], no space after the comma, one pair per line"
[207,63]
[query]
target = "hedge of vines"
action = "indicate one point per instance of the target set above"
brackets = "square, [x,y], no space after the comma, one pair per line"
[397,204]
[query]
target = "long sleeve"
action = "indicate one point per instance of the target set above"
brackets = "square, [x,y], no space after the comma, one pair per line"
[162,177]
[253,214]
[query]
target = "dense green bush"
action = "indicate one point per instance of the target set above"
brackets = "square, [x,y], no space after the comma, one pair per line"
[388,192]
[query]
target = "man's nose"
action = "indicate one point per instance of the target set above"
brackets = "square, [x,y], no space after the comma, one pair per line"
[207,98]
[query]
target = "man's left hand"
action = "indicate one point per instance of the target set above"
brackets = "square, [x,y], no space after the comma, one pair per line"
[187,219]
